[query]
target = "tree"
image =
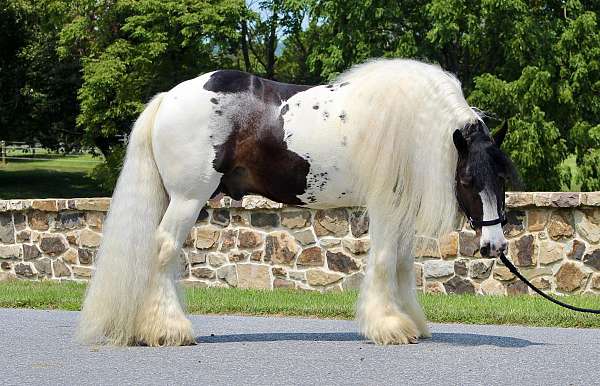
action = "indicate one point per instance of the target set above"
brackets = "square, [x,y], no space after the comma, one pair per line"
[533,63]
[37,89]
[131,50]
[12,40]
[578,92]
[79,72]
[274,44]
[553,105]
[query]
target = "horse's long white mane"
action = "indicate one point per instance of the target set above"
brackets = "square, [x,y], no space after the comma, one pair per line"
[405,113]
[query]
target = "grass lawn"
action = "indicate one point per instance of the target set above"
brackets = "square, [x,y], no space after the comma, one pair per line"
[60,177]
[571,163]
[522,310]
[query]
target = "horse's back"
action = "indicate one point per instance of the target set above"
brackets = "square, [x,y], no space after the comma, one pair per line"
[269,91]
[263,137]
[296,144]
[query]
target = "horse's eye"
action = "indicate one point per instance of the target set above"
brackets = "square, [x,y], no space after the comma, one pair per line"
[466,180]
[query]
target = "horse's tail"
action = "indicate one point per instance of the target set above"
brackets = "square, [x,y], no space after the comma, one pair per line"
[128,252]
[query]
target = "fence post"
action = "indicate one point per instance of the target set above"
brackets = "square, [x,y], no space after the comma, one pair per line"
[3,151]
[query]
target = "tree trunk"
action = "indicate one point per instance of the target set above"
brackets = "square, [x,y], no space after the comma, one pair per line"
[103,144]
[271,46]
[245,53]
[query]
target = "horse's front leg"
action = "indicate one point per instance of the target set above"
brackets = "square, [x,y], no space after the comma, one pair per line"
[380,314]
[407,289]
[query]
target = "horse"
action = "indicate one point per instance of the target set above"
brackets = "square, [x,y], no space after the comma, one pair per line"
[393,135]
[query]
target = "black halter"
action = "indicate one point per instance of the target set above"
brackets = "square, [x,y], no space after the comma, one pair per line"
[486,223]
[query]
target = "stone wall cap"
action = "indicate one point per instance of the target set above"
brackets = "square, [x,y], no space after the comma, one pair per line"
[254,202]
[12,205]
[552,199]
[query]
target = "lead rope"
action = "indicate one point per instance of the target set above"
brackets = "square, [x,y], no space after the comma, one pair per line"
[502,220]
[514,270]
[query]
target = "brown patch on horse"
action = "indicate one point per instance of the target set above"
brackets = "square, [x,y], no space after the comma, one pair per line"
[255,157]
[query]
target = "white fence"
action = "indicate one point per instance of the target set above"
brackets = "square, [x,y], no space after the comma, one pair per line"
[23,151]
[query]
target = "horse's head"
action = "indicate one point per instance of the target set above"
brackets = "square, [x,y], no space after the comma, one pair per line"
[482,171]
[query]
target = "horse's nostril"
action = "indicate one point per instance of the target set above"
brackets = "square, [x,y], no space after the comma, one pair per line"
[485,250]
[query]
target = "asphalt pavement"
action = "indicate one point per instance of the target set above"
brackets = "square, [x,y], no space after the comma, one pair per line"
[37,347]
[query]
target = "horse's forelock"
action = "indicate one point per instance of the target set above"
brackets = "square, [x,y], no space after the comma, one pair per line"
[487,162]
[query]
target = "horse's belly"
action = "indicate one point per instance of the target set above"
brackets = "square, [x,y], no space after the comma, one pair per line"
[317,128]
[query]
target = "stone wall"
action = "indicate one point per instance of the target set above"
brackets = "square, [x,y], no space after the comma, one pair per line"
[553,237]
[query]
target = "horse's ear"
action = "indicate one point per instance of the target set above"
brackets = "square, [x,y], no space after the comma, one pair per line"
[500,134]
[460,142]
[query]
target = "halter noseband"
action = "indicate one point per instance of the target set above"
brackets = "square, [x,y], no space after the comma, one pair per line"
[486,223]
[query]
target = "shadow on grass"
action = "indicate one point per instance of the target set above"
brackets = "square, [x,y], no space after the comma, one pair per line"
[456,339]
[46,183]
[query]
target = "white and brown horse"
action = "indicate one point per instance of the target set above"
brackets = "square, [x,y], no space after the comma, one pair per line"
[396,136]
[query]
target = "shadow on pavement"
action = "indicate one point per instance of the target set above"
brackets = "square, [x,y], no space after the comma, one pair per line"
[457,339]
[463,339]
[282,336]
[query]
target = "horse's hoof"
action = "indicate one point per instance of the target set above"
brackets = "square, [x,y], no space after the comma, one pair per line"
[425,333]
[166,340]
[170,332]
[394,329]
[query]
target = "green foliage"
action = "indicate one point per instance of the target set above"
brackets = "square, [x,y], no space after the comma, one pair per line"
[533,63]
[37,88]
[578,59]
[534,143]
[79,72]
[352,31]
[134,49]
[107,173]
[554,107]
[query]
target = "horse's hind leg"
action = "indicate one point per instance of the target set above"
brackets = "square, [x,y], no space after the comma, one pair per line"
[182,145]
[162,321]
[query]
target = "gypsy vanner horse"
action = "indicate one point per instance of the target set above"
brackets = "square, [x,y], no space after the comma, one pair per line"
[396,136]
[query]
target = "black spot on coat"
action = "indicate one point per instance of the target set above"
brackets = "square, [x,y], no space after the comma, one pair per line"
[233,81]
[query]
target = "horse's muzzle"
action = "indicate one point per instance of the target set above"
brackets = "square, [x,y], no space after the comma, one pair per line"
[492,250]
